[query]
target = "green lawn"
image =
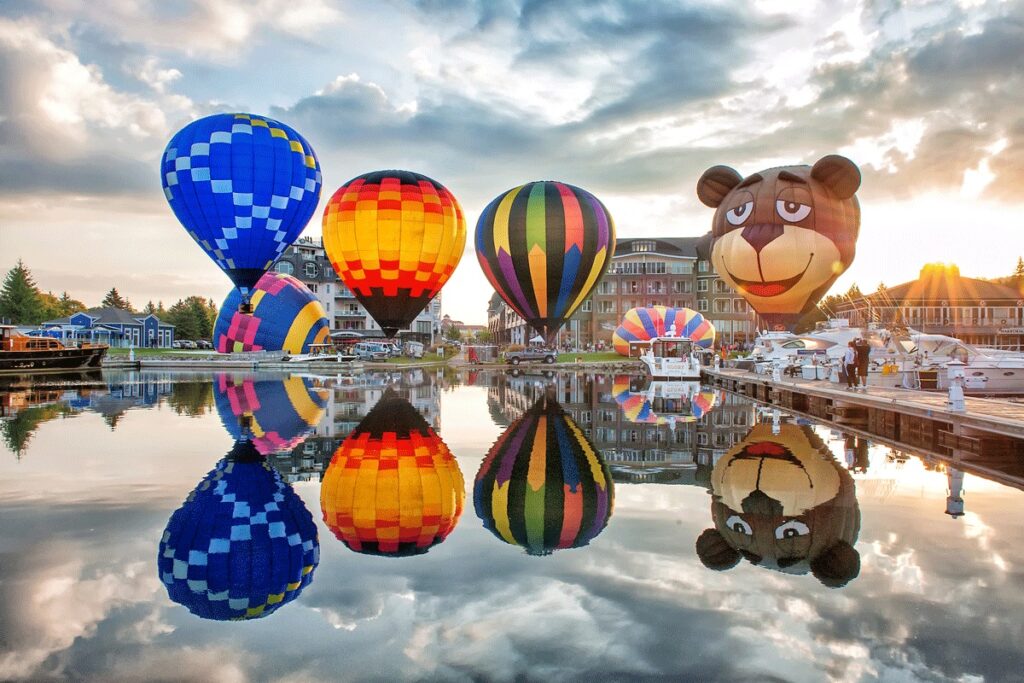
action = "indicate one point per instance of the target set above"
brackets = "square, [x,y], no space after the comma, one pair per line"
[427,358]
[139,353]
[591,357]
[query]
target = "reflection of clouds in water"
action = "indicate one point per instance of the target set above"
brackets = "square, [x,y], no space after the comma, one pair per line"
[896,563]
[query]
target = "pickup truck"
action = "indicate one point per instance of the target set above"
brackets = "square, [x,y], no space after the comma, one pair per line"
[516,357]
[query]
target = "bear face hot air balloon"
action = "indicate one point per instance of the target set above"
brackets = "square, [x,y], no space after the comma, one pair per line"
[244,187]
[783,235]
[242,545]
[392,488]
[544,246]
[276,414]
[394,238]
[784,503]
[285,316]
[641,324]
[543,485]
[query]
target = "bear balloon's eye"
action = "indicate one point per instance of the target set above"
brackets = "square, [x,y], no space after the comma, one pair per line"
[791,529]
[737,524]
[792,211]
[738,214]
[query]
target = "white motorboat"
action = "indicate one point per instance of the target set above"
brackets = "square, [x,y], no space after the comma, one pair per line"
[670,358]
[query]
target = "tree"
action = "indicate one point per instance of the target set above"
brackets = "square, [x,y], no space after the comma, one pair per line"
[191,318]
[451,332]
[113,299]
[20,300]
[149,308]
[1018,272]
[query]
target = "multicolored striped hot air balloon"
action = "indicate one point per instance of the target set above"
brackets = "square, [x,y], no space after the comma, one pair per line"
[277,414]
[394,238]
[670,404]
[640,324]
[242,544]
[392,488]
[544,246]
[285,316]
[543,485]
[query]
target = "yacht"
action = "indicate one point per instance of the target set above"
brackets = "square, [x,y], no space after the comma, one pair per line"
[669,358]
[23,354]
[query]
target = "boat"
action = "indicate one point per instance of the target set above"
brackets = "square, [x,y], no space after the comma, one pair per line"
[20,353]
[669,358]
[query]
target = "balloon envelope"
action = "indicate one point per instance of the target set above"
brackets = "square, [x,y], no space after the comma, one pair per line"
[641,324]
[394,238]
[242,545]
[285,316]
[244,187]
[392,488]
[543,485]
[544,246]
[277,414]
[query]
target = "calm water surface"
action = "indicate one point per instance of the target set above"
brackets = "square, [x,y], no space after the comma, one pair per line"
[472,526]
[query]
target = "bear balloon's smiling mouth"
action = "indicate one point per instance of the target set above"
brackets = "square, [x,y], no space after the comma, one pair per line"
[767,288]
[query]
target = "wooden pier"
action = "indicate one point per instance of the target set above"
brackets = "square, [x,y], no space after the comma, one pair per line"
[987,437]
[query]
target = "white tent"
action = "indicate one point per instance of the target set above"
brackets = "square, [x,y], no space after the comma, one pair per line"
[537,340]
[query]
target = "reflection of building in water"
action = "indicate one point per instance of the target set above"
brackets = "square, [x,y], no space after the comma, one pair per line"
[349,401]
[635,451]
[955,497]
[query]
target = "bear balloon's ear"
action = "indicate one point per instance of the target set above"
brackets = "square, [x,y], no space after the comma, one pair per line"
[838,174]
[715,552]
[837,566]
[716,182]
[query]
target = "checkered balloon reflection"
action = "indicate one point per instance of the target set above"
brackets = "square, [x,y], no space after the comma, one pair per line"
[241,545]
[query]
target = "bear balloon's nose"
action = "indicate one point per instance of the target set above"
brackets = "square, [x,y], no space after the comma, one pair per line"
[761,234]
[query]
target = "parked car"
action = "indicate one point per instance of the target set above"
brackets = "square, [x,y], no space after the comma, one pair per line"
[203,344]
[537,353]
[372,350]
[176,344]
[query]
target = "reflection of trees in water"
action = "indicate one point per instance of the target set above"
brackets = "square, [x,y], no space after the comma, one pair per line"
[17,431]
[193,399]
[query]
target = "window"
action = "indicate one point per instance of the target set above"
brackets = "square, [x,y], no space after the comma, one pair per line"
[702,285]
[721,287]
[606,287]
[607,307]
[722,305]
[587,306]
[682,268]
[312,287]
[310,269]
[643,245]
[656,268]
[702,304]
[739,306]
[702,266]
[284,267]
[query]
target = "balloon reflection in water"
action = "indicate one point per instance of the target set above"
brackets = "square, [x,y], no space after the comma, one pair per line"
[393,488]
[543,485]
[277,414]
[243,543]
[782,502]
[663,403]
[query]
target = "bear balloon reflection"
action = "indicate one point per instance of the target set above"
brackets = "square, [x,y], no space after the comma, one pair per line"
[392,488]
[543,485]
[242,545]
[781,501]
[277,414]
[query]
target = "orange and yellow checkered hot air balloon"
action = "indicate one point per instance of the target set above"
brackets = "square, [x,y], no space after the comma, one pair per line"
[393,488]
[394,238]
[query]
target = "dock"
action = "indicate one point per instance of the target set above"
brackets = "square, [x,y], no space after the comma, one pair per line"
[987,437]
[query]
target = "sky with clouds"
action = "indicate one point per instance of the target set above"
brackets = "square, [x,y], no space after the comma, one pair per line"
[629,100]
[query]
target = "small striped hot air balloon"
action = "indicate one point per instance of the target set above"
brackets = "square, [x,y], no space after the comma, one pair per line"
[242,544]
[544,246]
[394,238]
[543,485]
[285,316]
[277,414]
[392,488]
[641,324]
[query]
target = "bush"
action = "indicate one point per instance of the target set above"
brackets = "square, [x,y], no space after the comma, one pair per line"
[514,347]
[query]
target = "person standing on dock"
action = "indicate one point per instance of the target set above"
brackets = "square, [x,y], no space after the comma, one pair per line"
[850,365]
[863,350]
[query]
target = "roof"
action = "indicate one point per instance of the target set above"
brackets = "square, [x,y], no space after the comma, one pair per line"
[948,285]
[668,246]
[107,315]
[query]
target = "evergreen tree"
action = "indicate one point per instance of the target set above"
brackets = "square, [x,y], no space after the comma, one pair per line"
[113,299]
[149,308]
[20,299]
[68,306]
[191,318]
[1018,272]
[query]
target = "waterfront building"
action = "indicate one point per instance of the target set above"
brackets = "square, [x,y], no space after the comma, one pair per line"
[113,326]
[941,301]
[307,261]
[670,271]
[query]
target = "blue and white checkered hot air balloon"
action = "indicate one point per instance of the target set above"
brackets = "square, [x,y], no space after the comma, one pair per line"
[244,187]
